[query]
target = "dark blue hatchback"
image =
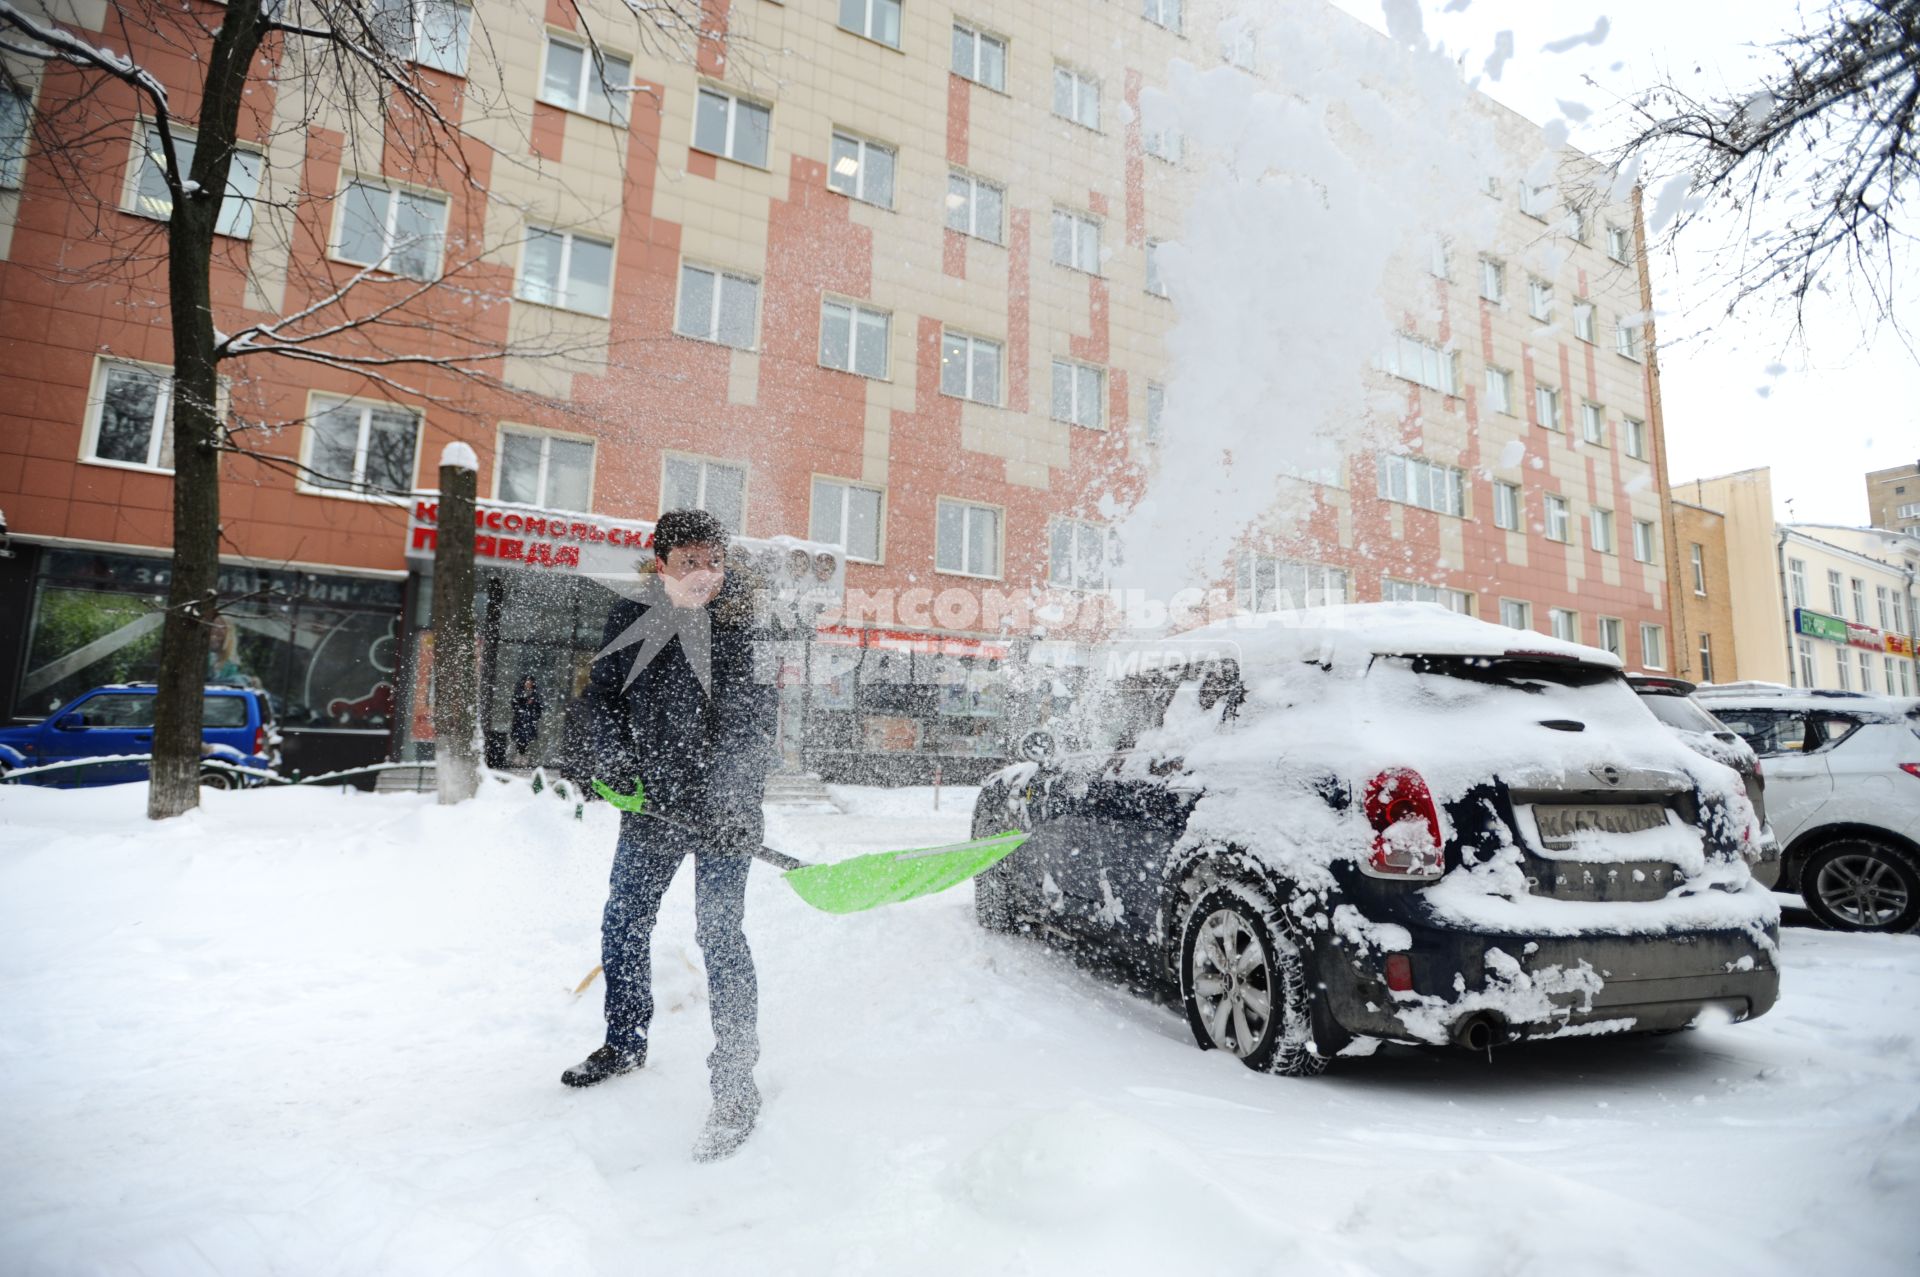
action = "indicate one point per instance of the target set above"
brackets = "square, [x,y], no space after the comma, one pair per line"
[111,723]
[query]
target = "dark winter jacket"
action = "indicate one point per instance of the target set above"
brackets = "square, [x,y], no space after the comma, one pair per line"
[702,756]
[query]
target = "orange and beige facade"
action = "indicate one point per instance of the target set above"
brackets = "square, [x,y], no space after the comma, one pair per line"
[872,273]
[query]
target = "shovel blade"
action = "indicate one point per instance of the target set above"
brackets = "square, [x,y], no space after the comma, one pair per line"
[890,877]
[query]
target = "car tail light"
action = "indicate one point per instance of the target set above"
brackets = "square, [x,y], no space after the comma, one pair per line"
[1911,769]
[260,739]
[1406,827]
[1399,973]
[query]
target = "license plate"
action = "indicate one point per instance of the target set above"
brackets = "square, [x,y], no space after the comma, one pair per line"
[1560,822]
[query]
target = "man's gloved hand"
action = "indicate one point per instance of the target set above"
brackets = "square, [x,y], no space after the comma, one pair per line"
[636,801]
[736,836]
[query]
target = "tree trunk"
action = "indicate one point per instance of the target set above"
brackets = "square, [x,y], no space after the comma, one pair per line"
[455,682]
[193,594]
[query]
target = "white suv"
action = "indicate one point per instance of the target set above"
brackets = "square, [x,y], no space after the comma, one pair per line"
[1843,794]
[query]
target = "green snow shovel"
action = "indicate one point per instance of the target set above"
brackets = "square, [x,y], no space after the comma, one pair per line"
[864,882]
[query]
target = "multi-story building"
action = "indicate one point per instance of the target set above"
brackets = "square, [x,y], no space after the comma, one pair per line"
[1816,605]
[1893,498]
[1705,646]
[879,275]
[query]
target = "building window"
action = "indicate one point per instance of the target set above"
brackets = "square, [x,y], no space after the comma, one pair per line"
[1546,407]
[1156,404]
[1540,299]
[1808,672]
[590,81]
[1418,482]
[717,305]
[1612,637]
[1706,657]
[970,368]
[360,447]
[1266,583]
[1887,664]
[1859,593]
[1619,243]
[16,112]
[1563,624]
[1577,225]
[1506,506]
[1643,540]
[1155,284]
[967,538]
[1240,43]
[1909,511]
[1880,602]
[1906,676]
[975,207]
[1396,591]
[1797,581]
[1516,615]
[1843,672]
[130,422]
[878,20]
[1636,432]
[1440,266]
[1535,201]
[1500,390]
[1493,280]
[1076,241]
[559,268]
[397,231]
[1836,593]
[1078,553]
[979,57]
[718,487]
[861,169]
[732,126]
[1077,393]
[848,515]
[1559,519]
[1653,647]
[1593,424]
[544,470]
[1162,13]
[1425,363]
[1626,338]
[1866,671]
[1600,530]
[151,198]
[1160,136]
[853,338]
[1076,97]
[1899,614]
[1697,557]
[432,33]
[1583,322]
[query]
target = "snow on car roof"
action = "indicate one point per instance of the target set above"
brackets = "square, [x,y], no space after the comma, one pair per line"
[1356,632]
[1801,699]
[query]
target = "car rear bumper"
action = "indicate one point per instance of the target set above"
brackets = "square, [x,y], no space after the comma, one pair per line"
[1547,986]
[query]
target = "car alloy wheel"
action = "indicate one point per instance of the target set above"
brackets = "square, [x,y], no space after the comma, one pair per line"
[1232,983]
[1859,885]
[211,779]
[1244,982]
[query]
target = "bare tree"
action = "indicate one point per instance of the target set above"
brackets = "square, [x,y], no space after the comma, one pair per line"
[405,332]
[1818,161]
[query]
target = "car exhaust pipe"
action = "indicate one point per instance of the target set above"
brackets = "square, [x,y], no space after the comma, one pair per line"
[1481,1031]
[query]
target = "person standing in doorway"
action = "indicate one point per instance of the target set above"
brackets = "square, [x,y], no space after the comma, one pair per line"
[527,711]
[677,706]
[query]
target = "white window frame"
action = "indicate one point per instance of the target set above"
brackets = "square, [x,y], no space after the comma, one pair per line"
[1520,608]
[561,299]
[1081,88]
[735,102]
[856,313]
[1156,285]
[317,404]
[1837,592]
[1645,541]
[1155,411]
[970,206]
[1653,646]
[972,345]
[1535,201]
[1493,280]
[856,186]
[1627,341]
[977,40]
[1619,244]
[1880,607]
[1564,624]
[1166,142]
[544,499]
[1398,590]
[1440,265]
[1240,44]
[721,278]
[1083,240]
[1077,412]
[1323,582]
[969,509]
[1593,423]
[159,429]
[1797,581]
[1634,430]
[1585,321]
[1866,671]
[1857,591]
[1500,400]
[1405,480]
[1558,522]
[395,193]
[1600,530]
[707,466]
[1166,14]
[1809,672]
[1540,299]
[594,61]
[248,165]
[1610,635]
[1078,529]
[1508,505]
[1424,363]
[1697,560]
[417,39]
[880,516]
[1546,406]
[16,110]
[1705,652]
[871,11]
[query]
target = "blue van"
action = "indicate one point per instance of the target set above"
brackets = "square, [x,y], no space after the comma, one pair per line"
[108,722]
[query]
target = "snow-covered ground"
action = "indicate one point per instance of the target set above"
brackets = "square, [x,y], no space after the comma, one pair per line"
[315,1032]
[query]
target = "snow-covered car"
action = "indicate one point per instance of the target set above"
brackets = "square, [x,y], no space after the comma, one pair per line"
[1843,773]
[114,724]
[1390,822]
[1671,700]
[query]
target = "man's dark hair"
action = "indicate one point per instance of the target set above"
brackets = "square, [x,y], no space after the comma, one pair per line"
[687,527]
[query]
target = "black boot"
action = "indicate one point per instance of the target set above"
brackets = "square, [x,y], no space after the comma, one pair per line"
[728,1124]
[608,1061]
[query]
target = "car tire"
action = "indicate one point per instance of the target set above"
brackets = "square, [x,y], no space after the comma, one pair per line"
[993,899]
[1237,955]
[214,778]
[1861,884]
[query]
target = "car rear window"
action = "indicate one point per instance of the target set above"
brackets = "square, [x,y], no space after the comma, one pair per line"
[224,711]
[1526,673]
[1681,712]
[118,709]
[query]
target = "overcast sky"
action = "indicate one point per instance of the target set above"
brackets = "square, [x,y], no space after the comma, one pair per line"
[1843,406]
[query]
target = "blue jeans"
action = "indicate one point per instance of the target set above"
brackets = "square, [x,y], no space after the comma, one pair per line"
[644,861]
